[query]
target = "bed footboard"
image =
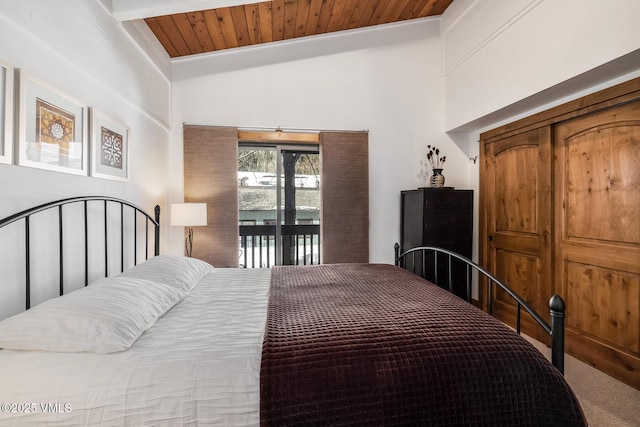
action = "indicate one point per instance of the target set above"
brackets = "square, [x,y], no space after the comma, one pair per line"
[556,303]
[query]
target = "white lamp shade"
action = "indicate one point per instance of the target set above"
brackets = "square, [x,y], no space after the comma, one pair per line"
[188,214]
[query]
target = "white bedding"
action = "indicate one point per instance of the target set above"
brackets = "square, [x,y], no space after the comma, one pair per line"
[198,365]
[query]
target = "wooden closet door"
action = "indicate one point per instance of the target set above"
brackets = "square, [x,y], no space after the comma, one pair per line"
[517,224]
[597,174]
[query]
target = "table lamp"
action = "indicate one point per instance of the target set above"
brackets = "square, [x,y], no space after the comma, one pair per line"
[189,215]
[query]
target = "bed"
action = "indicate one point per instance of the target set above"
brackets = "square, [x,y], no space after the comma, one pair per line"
[173,341]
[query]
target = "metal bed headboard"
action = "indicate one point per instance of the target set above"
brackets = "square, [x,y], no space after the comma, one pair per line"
[135,210]
[556,303]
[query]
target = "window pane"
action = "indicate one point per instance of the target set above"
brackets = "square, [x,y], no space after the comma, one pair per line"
[257,205]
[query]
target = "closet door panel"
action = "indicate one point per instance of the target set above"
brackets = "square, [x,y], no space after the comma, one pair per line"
[608,303]
[602,179]
[517,193]
[516,186]
[521,271]
[597,222]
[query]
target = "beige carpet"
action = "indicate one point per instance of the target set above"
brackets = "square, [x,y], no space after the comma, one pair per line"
[606,401]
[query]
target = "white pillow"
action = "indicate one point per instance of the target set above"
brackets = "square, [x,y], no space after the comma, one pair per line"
[105,317]
[178,271]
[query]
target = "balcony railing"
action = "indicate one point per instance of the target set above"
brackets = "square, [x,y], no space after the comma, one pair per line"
[258,244]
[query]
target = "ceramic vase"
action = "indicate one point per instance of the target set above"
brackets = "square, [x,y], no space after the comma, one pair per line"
[437,179]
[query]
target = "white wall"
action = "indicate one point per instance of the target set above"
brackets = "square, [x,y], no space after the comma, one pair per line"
[385,80]
[76,47]
[498,54]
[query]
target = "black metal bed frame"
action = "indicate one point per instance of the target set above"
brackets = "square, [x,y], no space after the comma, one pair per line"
[26,216]
[556,303]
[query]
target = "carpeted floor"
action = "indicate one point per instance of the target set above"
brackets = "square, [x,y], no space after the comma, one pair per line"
[606,401]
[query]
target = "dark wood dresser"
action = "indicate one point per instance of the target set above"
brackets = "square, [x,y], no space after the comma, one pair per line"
[441,217]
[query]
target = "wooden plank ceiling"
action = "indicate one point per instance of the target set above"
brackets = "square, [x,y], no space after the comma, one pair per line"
[212,30]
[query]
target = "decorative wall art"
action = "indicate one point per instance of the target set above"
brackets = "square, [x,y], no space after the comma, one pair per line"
[109,147]
[52,130]
[6,112]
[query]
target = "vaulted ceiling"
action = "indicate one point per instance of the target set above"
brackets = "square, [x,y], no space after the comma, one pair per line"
[201,31]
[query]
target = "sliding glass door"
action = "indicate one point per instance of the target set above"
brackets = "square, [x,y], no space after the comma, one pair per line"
[279,205]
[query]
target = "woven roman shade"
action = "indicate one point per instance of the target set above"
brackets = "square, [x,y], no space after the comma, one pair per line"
[211,177]
[344,161]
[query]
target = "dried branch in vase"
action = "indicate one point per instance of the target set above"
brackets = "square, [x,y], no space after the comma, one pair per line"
[434,157]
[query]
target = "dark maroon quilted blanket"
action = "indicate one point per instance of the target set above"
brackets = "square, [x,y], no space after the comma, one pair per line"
[374,345]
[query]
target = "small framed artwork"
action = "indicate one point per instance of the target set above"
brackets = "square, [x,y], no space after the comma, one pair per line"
[109,147]
[52,128]
[6,112]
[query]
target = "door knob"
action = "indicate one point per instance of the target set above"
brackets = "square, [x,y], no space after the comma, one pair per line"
[490,238]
